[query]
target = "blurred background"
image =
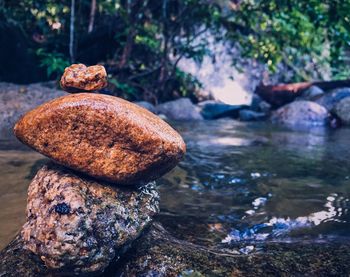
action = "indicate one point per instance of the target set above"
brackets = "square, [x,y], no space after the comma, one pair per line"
[159,50]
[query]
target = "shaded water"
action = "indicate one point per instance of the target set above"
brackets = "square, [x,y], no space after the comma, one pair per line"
[238,182]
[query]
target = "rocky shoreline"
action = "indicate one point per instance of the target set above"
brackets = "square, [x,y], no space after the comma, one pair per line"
[313,107]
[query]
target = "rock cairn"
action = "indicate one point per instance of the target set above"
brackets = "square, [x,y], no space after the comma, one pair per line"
[96,196]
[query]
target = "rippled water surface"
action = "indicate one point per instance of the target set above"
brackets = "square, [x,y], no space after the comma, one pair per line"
[238,182]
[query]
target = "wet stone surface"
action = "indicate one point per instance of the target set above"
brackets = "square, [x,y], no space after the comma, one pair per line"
[78,78]
[103,136]
[77,225]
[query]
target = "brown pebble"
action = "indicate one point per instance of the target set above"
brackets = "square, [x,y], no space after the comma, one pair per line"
[103,136]
[78,78]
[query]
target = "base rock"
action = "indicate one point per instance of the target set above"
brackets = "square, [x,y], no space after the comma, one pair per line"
[79,226]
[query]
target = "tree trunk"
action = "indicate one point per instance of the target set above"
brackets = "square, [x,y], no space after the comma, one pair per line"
[127,48]
[92,16]
[71,34]
[279,95]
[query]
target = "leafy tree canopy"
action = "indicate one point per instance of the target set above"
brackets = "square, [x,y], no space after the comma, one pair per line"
[141,41]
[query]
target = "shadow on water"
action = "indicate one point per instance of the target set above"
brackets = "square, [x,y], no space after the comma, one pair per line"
[239,182]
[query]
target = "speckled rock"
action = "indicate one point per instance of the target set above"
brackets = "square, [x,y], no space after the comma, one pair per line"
[78,77]
[342,110]
[76,225]
[301,113]
[103,136]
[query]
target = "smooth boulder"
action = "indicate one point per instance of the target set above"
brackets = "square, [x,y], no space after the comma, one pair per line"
[311,93]
[215,110]
[342,110]
[103,136]
[77,225]
[330,99]
[181,109]
[301,114]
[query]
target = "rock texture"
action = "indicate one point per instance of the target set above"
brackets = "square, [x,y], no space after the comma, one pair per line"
[16,261]
[76,225]
[103,136]
[301,113]
[78,77]
[342,110]
[180,109]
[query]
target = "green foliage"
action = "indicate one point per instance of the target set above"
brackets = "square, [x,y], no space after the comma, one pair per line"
[150,37]
[307,36]
[127,91]
[55,63]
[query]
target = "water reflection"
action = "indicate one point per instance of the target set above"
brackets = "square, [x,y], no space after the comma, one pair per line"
[238,182]
[257,182]
[277,227]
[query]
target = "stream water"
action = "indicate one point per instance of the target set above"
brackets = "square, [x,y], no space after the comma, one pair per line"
[238,182]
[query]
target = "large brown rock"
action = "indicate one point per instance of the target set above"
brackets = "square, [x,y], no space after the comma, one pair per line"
[102,136]
[76,225]
[78,77]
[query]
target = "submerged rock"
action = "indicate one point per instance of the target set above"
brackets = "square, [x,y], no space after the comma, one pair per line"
[76,225]
[214,110]
[79,77]
[330,99]
[180,109]
[159,254]
[342,110]
[249,115]
[301,113]
[103,136]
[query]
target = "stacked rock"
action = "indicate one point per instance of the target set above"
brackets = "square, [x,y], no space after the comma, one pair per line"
[87,206]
